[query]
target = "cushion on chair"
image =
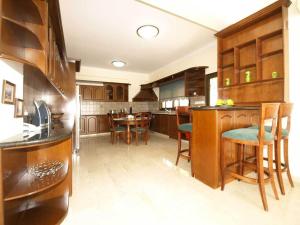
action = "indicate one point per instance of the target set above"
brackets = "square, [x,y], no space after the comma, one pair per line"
[285,132]
[138,129]
[185,127]
[246,134]
[118,129]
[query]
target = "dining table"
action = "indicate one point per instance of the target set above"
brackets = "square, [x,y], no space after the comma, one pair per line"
[129,121]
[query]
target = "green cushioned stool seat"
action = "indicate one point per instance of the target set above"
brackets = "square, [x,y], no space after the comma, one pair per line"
[285,132]
[185,127]
[118,129]
[246,134]
[139,129]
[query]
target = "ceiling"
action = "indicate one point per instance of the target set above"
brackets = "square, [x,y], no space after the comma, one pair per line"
[99,31]
[214,14]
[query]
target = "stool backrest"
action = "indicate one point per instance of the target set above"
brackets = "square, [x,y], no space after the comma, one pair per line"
[183,113]
[142,120]
[111,119]
[285,111]
[268,111]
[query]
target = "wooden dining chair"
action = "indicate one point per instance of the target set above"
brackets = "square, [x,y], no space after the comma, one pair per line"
[115,130]
[257,138]
[184,127]
[141,126]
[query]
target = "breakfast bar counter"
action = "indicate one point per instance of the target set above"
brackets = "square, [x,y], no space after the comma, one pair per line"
[208,125]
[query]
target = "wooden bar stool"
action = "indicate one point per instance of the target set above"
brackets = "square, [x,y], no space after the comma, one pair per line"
[285,111]
[282,134]
[257,138]
[184,127]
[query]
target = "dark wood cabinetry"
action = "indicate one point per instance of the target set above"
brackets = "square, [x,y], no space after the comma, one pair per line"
[164,124]
[98,93]
[253,57]
[172,127]
[109,92]
[208,126]
[93,124]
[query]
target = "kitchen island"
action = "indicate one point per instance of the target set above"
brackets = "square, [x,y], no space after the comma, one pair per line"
[208,125]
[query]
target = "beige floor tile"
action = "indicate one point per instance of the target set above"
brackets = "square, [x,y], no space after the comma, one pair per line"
[121,184]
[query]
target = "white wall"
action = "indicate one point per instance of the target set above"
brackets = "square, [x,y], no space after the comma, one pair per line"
[12,72]
[294,74]
[202,56]
[105,75]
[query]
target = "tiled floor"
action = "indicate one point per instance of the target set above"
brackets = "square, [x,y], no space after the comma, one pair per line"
[120,184]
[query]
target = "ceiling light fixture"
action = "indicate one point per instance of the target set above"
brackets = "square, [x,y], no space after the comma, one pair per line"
[147,31]
[118,63]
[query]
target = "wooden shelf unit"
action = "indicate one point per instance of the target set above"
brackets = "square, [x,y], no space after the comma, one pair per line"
[256,44]
[28,199]
[23,32]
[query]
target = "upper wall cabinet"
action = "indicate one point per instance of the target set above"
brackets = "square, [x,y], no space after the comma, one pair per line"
[109,92]
[24,32]
[252,57]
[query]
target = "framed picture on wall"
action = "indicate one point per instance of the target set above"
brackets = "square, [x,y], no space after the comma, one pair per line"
[19,107]
[8,92]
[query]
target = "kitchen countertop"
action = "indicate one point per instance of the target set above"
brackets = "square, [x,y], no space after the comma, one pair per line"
[42,137]
[165,112]
[228,108]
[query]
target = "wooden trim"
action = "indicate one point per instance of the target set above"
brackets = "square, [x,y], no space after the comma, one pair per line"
[207,86]
[254,18]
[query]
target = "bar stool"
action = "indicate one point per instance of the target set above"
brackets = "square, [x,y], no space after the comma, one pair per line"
[282,134]
[285,111]
[257,138]
[184,127]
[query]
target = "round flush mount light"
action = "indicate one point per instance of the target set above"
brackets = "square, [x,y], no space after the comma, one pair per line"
[147,31]
[118,63]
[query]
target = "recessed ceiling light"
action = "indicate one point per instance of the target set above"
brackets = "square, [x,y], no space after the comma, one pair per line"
[118,63]
[147,31]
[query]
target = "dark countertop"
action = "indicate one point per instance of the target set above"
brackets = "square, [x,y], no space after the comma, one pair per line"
[229,108]
[43,137]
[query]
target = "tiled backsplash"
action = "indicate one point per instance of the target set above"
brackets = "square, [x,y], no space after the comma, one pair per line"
[101,108]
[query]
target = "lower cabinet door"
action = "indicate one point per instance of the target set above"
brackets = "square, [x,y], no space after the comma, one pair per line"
[83,128]
[92,124]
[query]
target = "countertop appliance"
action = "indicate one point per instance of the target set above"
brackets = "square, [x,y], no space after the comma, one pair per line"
[42,116]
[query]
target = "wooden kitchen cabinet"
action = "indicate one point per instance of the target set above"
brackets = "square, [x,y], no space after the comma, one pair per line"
[208,126]
[92,124]
[103,124]
[98,93]
[110,92]
[83,129]
[164,124]
[172,126]
[86,92]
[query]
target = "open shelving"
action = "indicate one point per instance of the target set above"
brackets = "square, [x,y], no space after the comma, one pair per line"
[29,184]
[24,32]
[255,46]
[36,183]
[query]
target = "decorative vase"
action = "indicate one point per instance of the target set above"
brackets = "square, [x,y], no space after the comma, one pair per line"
[248,76]
[274,74]
[227,81]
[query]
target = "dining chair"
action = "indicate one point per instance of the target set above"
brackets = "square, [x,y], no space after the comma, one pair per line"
[184,127]
[115,130]
[141,126]
[258,138]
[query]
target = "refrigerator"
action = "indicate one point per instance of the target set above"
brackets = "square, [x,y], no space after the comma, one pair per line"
[77,120]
